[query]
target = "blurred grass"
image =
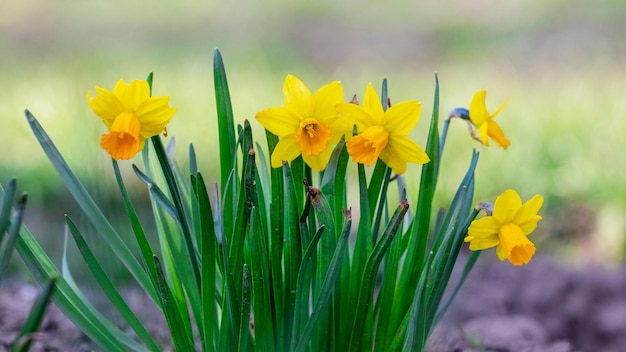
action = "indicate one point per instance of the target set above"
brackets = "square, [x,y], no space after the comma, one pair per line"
[560,62]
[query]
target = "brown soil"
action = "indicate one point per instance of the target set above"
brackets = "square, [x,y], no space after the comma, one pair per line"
[543,306]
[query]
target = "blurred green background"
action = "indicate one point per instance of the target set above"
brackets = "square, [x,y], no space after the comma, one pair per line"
[562,63]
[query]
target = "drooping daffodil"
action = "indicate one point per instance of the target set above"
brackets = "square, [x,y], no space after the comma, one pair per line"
[131,115]
[383,134]
[507,228]
[484,121]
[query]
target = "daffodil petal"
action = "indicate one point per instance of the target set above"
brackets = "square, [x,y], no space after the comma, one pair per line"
[479,244]
[506,205]
[402,117]
[501,252]
[526,217]
[298,98]
[133,94]
[352,114]
[286,149]
[338,128]
[484,228]
[371,104]
[154,115]
[394,157]
[325,100]
[500,109]
[318,162]
[106,105]
[478,109]
[401,150]
[495,132]
[484,133]
[278,120]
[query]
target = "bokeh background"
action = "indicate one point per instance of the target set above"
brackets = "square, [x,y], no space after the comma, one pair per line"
[562,63]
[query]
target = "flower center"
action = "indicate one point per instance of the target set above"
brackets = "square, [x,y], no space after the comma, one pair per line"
[122,142]
[312,136]
[516,245]
[367,146]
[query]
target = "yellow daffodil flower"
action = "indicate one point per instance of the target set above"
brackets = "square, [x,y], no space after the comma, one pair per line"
[482,119]
[308,123]
[383,134]
[131,115]
[507,228]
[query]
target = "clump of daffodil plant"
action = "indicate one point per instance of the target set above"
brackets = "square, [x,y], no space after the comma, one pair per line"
[264,262]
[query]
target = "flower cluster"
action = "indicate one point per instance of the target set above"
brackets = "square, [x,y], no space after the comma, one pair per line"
[310,124]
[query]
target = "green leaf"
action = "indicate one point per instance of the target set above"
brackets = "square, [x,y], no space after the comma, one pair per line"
[22,342]
[208,257]
[73,305]
[7,206]
[292,249]
[368,281]
[175,192]
[466,270]
[230,306]
[227,139]
[244,329]
[264,310]
[12,234]
[302,289]
[142,240]
[320,306]
[333,183]
[418,241]
[89,207]
[440,262]
[180,337]
[109,288]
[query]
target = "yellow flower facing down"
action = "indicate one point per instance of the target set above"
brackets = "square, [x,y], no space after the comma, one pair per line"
[131,115]
[308,123]
[383,134]
[484,121]
[507,228]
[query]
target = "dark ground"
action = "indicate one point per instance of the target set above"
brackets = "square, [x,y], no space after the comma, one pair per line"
[543,306]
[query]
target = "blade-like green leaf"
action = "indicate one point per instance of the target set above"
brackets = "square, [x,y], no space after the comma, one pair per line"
[12,234]
[73,305]
[264,314]
[226,135]
[440,262]
[89,207]
[244,329]
[22,342]
[180,337]
[142,240]
[208,257]
[109,288]
[302,289]
[331,274]
[365,299]
[466,270]
[418,240]
[7,205]
[175,192]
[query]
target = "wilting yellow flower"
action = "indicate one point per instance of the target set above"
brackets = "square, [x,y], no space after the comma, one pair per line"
[308,123]
[507,228]
[131,115]
[383,134]
[482,119]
